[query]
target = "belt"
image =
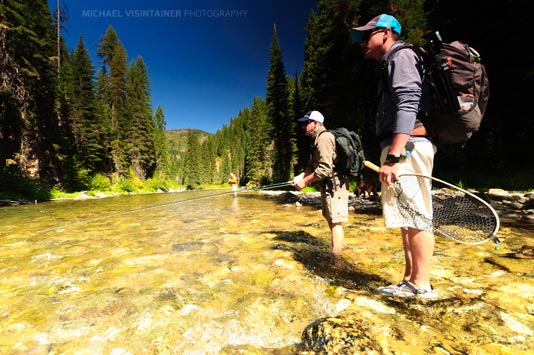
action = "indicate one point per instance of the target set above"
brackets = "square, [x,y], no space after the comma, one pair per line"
[416,132]
[419,132]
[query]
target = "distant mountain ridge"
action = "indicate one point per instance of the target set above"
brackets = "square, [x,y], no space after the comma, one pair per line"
[178,138]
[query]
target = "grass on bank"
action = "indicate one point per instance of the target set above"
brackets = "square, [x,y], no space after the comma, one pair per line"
[123,185]
[19,187]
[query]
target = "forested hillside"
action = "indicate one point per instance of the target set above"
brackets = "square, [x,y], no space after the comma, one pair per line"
[65,121]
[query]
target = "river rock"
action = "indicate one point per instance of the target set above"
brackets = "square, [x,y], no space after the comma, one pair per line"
[512,207]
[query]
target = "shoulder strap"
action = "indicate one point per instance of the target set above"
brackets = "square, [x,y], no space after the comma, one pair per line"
[383,69]
[327,130]
[314,141]
[398,48]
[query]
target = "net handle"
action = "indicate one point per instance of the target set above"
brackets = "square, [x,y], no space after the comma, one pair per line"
[371,166]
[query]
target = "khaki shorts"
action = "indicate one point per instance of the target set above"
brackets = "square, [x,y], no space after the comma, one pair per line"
[335,200]
[421,161]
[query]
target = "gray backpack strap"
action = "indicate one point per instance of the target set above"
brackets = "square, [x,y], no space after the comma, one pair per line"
[383,65]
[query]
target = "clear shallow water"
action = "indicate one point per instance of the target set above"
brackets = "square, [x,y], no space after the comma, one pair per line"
[206,273]
[89,277]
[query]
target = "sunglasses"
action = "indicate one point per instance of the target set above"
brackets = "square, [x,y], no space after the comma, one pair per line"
[367,35]
[304,124]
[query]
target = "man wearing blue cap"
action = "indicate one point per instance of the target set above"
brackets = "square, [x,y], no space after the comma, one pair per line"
[404,144]
[334,191]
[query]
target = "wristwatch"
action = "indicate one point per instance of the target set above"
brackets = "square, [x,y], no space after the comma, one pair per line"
[392,159]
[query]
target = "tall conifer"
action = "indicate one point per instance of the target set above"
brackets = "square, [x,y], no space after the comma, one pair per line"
[29,88]
[139,126]
[113,87]
[84,120]
[161,145]
[277,102]
[327,75]
[192,163]
[258,162]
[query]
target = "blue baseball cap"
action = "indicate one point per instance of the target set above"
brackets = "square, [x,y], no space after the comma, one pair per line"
[380,21]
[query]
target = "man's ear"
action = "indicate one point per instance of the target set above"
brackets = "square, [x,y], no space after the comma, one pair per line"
[387,33]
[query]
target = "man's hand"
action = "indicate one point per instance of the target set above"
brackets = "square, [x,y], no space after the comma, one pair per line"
[388,173]
[298,182]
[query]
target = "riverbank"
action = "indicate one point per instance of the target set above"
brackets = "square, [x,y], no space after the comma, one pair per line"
[83,195]
[513,208]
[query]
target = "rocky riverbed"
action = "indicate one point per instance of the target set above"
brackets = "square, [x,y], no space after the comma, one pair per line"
[512,207]
[486,296]
[86,277]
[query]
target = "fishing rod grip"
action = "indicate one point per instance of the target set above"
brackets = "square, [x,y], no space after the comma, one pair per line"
[371,166]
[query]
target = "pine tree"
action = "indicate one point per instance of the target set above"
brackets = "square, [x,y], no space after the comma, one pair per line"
[84,121]
[106,48]
[113,91]
[238,146]
[14,86]
[277,101]
[192,162]
[327,78]
[211,161]
[300,151]
[28,124]
[258,161]
[224,151]
[161,144]
[176,159]
[139,128]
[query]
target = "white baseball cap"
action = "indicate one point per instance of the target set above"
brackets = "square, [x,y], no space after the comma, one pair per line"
[312,116]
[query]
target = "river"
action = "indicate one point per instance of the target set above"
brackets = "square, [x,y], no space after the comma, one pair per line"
[203,272]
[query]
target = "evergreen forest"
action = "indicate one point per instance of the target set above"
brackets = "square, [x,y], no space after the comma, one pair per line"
[69,124]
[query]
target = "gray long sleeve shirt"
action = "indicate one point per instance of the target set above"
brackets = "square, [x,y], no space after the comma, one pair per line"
[401,92]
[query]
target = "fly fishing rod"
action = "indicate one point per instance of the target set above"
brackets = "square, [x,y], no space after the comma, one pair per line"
[273,186]
[265,187]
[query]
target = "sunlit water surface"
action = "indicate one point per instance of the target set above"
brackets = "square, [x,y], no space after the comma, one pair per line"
[183,273]
[186,277]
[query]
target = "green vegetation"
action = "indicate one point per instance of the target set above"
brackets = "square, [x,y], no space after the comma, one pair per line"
[519,180]
[68,125]
[19,186]
[123,185]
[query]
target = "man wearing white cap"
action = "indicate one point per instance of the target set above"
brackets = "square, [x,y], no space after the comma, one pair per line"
[404,143]
[334,192]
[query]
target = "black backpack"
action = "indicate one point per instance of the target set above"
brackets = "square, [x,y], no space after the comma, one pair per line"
[349,152]
[459,85]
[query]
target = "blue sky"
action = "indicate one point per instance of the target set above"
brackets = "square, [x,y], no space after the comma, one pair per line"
[206,59]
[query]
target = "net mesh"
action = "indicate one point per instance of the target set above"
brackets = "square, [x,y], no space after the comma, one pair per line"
[452,213]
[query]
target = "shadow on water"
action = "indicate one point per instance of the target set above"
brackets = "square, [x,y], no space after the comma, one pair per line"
[450,317]
[342,273]
[474,313]
[336,269]
[340,334]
